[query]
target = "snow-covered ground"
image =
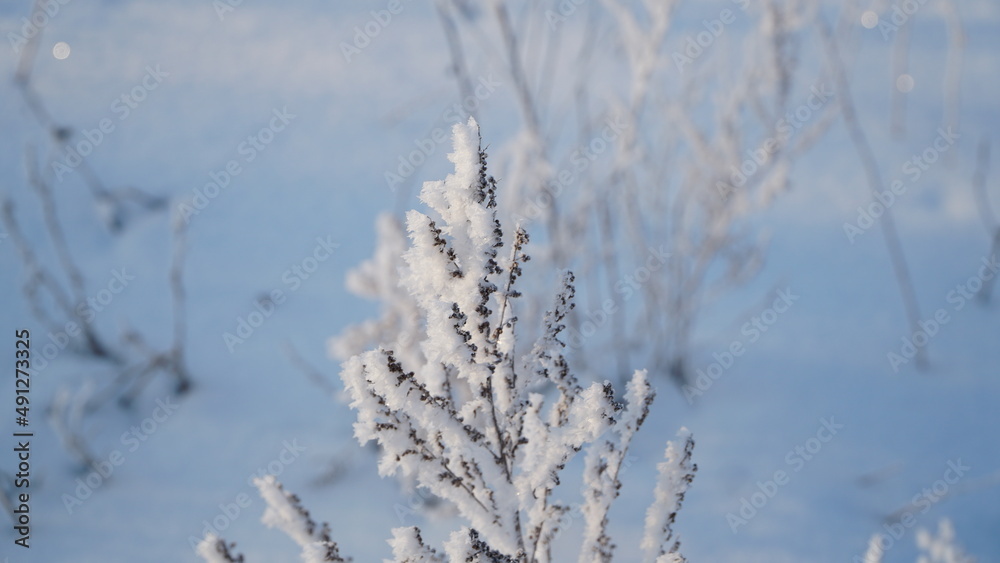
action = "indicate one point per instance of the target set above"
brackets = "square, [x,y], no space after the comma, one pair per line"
[814,396]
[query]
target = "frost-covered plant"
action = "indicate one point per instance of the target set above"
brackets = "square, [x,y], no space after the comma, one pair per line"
[939,549]
[378,279]
[483,421]
[632,140]
[285,512]
[643,135]
[215,550]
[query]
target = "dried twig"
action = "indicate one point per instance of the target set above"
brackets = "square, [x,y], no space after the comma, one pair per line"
[57,293]
[875,183]
[986,212]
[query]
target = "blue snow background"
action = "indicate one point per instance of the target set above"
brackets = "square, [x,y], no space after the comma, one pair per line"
[323,177]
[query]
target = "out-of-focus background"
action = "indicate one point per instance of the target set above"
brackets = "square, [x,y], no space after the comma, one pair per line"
[786,211]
